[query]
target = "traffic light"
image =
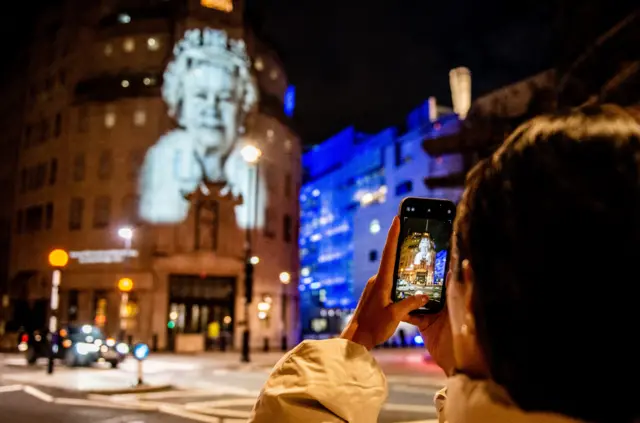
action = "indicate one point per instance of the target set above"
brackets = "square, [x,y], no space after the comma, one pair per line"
[248,281]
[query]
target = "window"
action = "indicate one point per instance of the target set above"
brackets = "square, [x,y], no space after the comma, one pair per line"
[373,255]
[153,44]
[374,226]
[20,222]
[53,171]
[130,209]
[105,165]
[287,185]
[76,213]
[41,175]
[287,228]
[44,131]
[27,135]
[136,157]
[48,216]
[83,119]
[139,118]
[57,125]
[101,212]
[129,45]
[404,188]
[269,222]
[33,219]
[78,167]
[287,146]
[110,119]
[23,180]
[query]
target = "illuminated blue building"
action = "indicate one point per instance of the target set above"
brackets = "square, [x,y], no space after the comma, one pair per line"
[353,185]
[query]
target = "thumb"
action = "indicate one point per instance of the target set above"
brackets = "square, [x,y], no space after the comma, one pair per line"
[404,307]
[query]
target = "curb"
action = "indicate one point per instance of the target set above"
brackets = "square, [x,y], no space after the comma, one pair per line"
[133,390]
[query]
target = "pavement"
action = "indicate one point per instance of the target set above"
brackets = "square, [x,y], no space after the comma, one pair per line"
[210,388]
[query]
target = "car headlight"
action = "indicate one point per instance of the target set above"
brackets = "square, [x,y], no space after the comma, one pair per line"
[84,348]
[122,348]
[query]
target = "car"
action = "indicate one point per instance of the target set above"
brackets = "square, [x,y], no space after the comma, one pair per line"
[76,345]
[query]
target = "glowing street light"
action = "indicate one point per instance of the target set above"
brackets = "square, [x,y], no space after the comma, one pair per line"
[250,153]
[254,260]
[125,285]
[126,233]
[57,259]
[285,277]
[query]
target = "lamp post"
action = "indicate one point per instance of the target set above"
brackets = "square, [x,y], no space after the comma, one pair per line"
[251,154]
[285,279]
[125,285]
[58,259]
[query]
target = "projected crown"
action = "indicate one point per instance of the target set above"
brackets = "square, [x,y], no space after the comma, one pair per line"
[211,43]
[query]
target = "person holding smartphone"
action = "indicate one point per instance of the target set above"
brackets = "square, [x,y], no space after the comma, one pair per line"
[540,323]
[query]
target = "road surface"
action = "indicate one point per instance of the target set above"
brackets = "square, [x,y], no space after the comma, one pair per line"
[211,388]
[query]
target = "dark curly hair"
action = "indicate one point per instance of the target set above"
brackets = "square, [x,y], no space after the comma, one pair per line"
[551,226]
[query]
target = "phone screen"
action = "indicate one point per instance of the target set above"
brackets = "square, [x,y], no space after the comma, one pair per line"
[422,256]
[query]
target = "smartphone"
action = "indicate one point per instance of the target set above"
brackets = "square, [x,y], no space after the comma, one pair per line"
[423,251]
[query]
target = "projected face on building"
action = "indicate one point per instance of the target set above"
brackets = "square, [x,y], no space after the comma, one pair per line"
[209,90]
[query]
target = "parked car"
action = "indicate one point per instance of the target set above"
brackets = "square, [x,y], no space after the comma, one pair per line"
[77,345]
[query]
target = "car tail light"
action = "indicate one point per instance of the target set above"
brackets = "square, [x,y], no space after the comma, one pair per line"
[25,338]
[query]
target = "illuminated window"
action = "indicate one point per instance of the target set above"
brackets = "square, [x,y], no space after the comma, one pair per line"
[222,5]
[109,119]
[139,118]
[374,226]
[124,83]
[124,18]
[259,64]
[129,45]
[153,44]
[108,49]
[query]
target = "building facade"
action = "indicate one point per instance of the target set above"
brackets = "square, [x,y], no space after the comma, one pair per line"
[352,188]
[136,118]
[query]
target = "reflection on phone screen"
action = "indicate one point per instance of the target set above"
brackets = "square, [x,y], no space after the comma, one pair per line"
[422,258]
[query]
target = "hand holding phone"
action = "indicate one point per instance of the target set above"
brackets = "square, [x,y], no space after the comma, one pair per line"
[423,251]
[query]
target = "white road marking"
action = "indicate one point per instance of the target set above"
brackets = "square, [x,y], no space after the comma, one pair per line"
[98,404]
[177,411]
[221,412]
[409,408]
[38,394]
[10,388]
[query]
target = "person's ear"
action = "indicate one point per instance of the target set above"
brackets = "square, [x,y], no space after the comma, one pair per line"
[468,283]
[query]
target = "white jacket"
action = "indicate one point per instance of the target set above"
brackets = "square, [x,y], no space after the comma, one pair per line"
[337,381]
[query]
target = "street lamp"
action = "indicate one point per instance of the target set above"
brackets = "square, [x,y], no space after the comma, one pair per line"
[58,259]
[125,285]
[126,233]
[251,154]
[285,279]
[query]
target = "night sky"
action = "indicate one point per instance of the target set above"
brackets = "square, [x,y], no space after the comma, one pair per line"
[368,62]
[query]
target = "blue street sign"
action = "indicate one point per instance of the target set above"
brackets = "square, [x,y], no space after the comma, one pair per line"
[141,351]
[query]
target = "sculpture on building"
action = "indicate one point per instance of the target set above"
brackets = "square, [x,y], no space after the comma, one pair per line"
[209,90]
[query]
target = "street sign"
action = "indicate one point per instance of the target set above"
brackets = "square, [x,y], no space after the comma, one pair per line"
[141,351]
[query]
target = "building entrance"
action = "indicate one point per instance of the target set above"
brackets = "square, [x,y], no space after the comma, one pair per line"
[201,305]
